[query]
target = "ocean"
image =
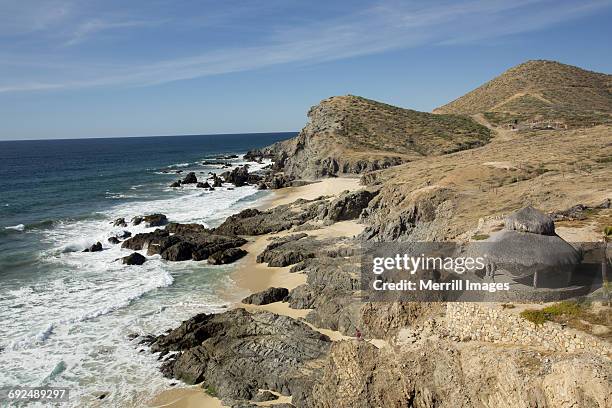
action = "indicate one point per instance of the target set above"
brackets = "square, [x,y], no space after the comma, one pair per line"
[68,317]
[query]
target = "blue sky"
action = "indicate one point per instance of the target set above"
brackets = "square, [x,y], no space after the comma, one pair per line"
[71,68]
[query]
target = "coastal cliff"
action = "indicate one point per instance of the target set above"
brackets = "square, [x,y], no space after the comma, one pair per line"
[349,135]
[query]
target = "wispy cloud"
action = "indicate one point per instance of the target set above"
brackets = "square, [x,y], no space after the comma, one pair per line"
[90,28]
[384,26]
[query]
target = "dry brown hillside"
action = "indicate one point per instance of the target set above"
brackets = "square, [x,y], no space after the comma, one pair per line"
[541,91]
[351,135]
[442,199]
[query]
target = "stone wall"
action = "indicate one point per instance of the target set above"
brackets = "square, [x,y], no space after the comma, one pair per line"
[489,322]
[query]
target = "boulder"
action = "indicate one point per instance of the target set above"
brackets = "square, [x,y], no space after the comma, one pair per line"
[529,219]
[239,176]
[136,220]
[142,240]
[114,240]
[190,178]
[120,222]
[176,184]
[97,247]
[203,185]
[226,256]
[124,234]
[217,182]
[155,220]
[267,296]
[133,259]
[181,251]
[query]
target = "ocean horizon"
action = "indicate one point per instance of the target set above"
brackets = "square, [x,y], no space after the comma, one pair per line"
[70,316]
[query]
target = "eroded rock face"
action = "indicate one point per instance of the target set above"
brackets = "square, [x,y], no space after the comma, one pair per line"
[528,219]
[267,296]
[348,206]
[238,353]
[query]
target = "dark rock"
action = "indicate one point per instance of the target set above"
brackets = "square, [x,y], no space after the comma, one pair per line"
[180,251]
[155,220]
[120,222]
[176,184]
[264,297]
[157,245]
[237,353]
[124,234]
[133,259]
[114,240]
[239,176]
[190,178]
[282,217]
[203,185]
[97,247]
[226,256]
[217,182]
[186,229]
[137,220]
[531,220]
[142,240]
[189,241]
[288,251]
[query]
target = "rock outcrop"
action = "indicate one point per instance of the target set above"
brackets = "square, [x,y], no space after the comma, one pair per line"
[188,243]
[226,256]
[255,222]
[237,353]
[151,220]
[240,176]
[267,296]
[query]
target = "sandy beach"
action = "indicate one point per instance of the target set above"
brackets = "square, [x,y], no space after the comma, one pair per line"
[251,277]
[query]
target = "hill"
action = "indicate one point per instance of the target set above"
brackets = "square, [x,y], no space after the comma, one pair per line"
[540,91]
[352,135]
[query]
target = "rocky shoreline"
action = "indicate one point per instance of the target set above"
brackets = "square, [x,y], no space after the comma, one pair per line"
[304,337]
[236,354]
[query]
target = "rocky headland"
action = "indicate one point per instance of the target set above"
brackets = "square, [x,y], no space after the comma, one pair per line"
[304,337]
